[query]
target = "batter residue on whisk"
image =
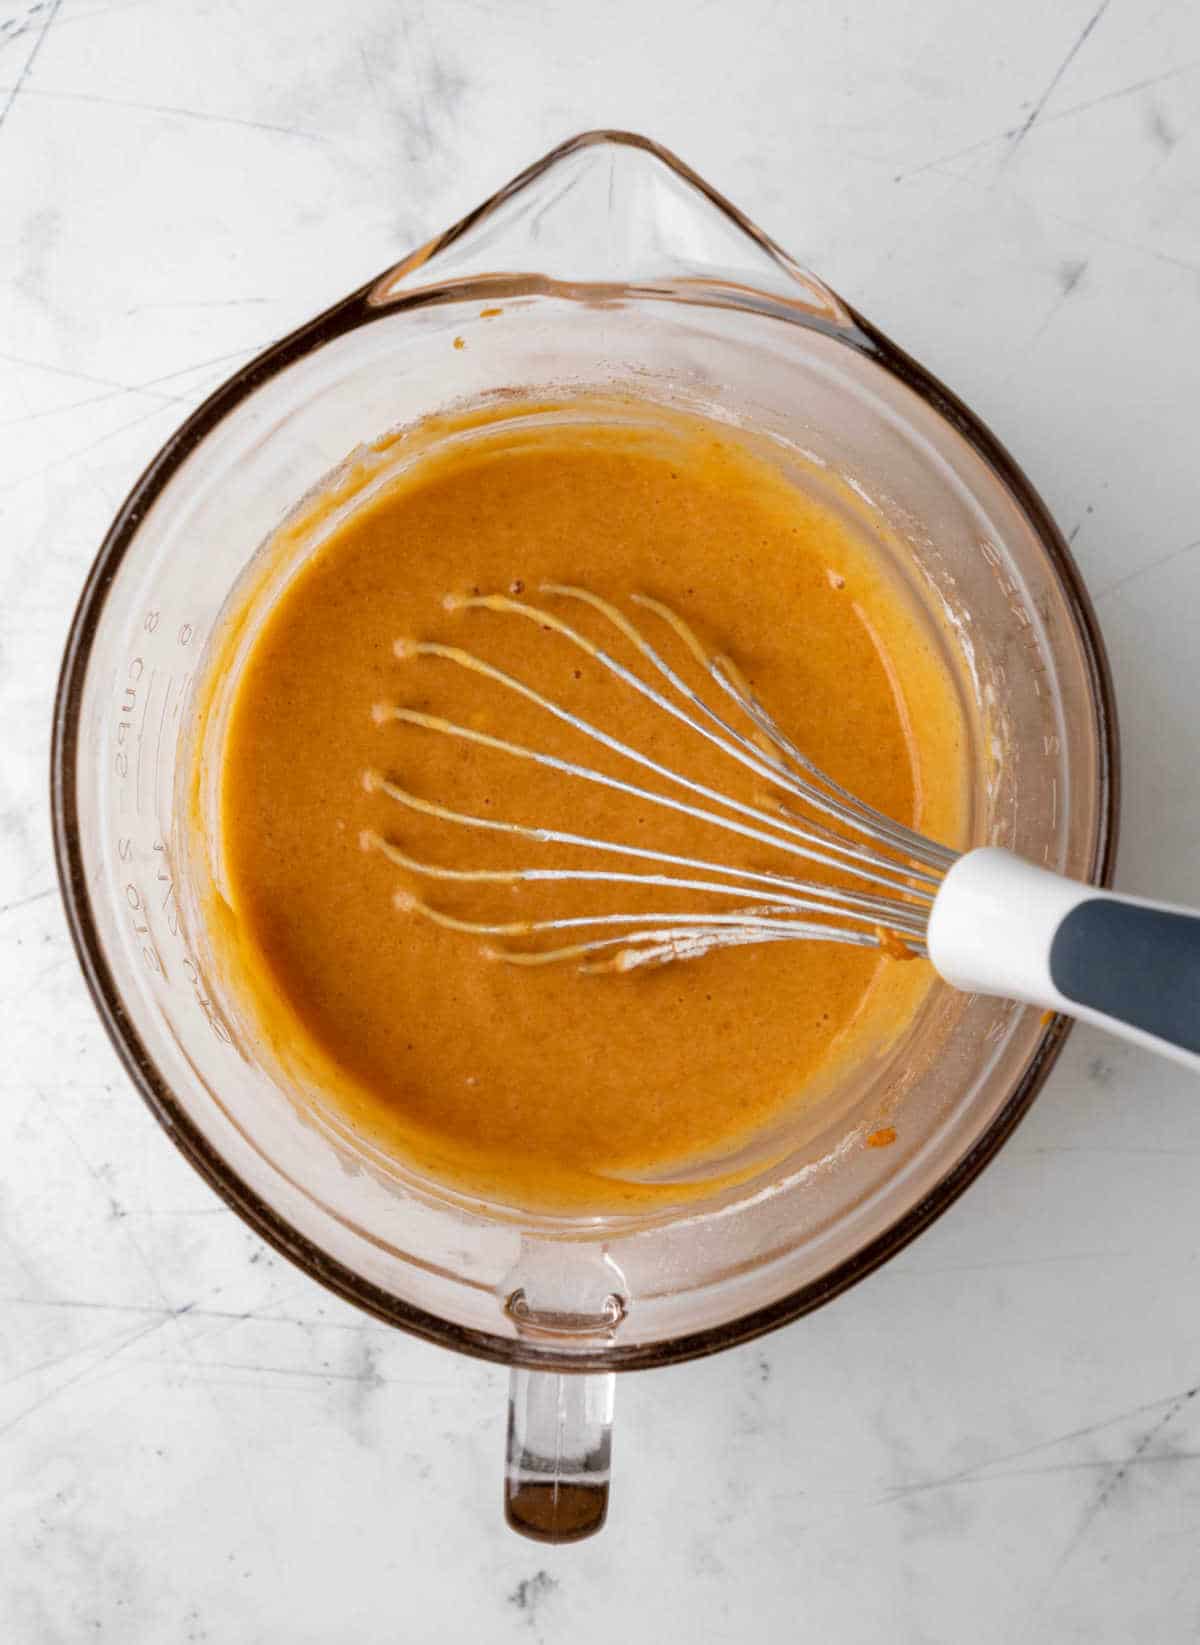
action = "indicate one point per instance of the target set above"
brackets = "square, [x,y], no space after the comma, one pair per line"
[544,1086]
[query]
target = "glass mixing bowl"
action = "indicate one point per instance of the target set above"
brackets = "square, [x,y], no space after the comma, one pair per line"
[606,266]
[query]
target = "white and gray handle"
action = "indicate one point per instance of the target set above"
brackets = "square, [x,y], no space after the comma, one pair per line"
[1001,926]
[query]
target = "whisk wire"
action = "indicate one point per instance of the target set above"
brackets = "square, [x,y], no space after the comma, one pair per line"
[804,898]
[853,811]
[882,872]
[902,868]
[726,738]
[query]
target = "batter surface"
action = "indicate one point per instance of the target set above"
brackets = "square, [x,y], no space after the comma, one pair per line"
[544,1087]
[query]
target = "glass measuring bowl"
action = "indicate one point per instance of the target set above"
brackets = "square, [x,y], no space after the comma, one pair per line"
[608,265]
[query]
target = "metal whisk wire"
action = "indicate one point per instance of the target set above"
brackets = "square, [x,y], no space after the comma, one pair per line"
[871,848]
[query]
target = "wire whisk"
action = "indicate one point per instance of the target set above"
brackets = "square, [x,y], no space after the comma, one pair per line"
[991,922]
[888,875]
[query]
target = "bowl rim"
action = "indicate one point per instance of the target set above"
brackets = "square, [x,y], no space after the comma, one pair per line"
[352,312]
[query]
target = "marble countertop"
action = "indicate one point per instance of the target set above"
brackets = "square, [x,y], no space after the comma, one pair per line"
[993,1439]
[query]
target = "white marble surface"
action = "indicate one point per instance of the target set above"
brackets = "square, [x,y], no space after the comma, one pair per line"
[995,1438]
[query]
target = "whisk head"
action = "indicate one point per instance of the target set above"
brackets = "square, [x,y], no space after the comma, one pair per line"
[875,878]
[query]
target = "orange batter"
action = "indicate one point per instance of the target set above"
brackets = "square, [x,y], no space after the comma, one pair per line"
[547,1088]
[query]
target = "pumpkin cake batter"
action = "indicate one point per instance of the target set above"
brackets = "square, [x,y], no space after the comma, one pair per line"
[547,1088]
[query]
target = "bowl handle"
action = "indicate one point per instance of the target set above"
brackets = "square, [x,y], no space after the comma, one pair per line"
[559,1453]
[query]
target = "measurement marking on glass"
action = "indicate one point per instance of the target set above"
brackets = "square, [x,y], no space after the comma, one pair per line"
[126,706]
[162,720]
[141,738]
[182,697]
[164,877]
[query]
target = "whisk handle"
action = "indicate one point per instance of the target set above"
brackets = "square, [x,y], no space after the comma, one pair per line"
[1000,925]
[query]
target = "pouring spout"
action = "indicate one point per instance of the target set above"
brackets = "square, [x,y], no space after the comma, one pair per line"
[609,213]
